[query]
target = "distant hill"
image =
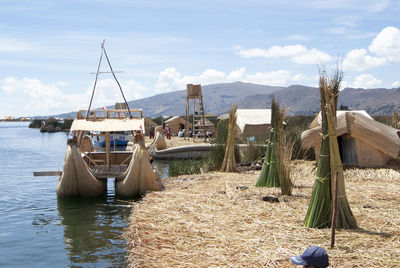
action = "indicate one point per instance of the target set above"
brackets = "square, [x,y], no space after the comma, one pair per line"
[298,100]
[217,99]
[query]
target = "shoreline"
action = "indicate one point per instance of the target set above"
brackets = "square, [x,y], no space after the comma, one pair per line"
[219,219]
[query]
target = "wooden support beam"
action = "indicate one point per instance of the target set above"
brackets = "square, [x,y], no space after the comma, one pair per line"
[108,150]
[46,173]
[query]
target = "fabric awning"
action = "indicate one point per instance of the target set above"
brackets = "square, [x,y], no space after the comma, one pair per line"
[109,125]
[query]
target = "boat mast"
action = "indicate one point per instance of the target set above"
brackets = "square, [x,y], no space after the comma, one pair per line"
[103,50]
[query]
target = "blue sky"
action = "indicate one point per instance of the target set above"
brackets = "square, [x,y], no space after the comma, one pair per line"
[48,48]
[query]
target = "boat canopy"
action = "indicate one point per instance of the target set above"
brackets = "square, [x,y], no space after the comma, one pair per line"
[108,125]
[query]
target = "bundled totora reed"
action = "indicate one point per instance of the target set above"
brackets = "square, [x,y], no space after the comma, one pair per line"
[76,179]
[269,175]
[139,178]
[319,212]
[159,141]
[229,163]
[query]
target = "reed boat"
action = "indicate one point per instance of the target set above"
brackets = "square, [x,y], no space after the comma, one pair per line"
[87,168]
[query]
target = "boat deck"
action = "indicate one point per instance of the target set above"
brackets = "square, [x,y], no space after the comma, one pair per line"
[115,171]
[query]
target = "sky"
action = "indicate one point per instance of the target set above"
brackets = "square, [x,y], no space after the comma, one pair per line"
[49,48]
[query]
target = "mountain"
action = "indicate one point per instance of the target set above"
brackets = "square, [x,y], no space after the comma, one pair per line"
[298,99]
[302,100]
[217,99]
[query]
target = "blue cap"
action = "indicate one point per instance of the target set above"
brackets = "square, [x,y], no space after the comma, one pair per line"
[314,256]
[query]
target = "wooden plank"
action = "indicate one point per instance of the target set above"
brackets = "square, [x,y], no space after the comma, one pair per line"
[46,173]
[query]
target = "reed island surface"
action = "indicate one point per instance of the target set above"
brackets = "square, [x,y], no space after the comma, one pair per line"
[221,220]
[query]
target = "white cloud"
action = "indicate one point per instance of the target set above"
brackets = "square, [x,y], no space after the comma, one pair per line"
[13,45]
[387,44]
[363,81]
[359,60]
[29,96]
[298,37]
[396,84]
[297,53]
[170,79]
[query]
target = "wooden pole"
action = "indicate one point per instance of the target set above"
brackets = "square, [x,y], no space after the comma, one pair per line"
[334,210]
[108,150]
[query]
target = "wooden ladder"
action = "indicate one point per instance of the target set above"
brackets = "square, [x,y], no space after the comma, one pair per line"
[199,128]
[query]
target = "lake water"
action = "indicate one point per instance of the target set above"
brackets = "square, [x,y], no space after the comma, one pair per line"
[39,230]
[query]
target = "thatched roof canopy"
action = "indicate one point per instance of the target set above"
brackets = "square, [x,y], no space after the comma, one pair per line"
[125,124]
[317,120]
[253,117]
[380,136]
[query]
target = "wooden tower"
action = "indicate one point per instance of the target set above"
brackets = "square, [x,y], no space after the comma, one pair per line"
[194,97]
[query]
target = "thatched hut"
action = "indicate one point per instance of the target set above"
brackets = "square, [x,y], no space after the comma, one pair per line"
[148,123]
[363,142]
[176,123]
[318,119]
[209,126]
[254,122]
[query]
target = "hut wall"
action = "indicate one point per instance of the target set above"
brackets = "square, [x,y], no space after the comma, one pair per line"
[176,126]
[256,131]
[368,156]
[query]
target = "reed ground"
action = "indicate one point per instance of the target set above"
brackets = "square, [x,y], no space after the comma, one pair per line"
[220,220]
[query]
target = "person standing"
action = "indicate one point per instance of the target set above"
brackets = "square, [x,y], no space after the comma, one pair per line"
[167,131]
[151,132]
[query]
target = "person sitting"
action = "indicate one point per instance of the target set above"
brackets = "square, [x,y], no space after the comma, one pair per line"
[312,257]
[181,133]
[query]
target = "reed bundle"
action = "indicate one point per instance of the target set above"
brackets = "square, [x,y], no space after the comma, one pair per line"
[395,119]
[229,162]
[319,212]
[269,175]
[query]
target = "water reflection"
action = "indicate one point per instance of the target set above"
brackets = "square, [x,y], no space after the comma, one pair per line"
[93,229]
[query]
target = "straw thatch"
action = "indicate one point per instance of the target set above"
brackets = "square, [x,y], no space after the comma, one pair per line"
[364,141]
[229,162]
[159,140]
[318,118]
[220,220]
[139,178]
[86,144]
[76,179]
[254,122]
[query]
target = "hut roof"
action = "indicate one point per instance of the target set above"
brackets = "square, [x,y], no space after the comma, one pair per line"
[317,120]
[150,122]
[380,136]
[175,118]
[124,124]
[207,123]
[253,117]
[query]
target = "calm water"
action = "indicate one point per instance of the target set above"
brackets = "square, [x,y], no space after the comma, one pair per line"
[37,229]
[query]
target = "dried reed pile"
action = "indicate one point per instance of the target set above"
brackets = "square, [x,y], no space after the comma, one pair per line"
[220,220]
[229,162]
